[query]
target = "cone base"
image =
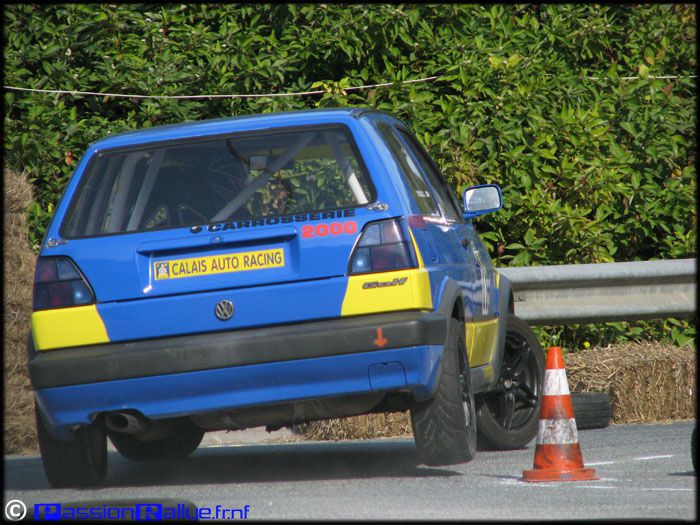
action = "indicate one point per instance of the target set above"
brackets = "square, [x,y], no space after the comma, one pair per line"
[580,474]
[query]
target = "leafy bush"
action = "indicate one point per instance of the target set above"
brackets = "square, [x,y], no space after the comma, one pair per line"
[594,167]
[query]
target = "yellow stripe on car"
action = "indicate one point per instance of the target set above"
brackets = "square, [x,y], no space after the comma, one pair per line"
[415,248]
[68,327]
[389,291]
[481,341]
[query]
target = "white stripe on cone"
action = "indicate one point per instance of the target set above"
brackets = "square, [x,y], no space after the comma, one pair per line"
[555,383]
[557,432]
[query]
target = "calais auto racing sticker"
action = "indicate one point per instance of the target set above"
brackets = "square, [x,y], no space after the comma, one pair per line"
[214,264]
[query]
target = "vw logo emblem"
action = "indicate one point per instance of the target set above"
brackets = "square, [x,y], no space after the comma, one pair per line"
[224,310]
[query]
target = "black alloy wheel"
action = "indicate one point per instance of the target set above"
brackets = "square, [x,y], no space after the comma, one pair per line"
[509,413]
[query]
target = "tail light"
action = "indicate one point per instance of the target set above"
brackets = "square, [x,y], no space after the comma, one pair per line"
[382,247]
[58,284]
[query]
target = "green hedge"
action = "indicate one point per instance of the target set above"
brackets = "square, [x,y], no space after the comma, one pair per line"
[593,170]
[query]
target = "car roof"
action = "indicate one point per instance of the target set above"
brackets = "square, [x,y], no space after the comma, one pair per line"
[229,125]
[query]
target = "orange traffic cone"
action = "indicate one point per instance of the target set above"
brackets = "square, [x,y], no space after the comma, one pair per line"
[557,454]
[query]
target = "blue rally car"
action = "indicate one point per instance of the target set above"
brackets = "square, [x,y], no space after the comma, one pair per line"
[268,271]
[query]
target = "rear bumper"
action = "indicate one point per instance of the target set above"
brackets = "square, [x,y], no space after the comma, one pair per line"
[214,372]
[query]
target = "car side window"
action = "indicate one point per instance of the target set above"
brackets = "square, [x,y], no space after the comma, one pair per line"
[444,196]
[410,171]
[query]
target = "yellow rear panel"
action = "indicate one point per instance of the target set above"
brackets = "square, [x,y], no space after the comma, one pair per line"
[67,327]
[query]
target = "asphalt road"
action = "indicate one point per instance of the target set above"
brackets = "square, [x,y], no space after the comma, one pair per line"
[645,472]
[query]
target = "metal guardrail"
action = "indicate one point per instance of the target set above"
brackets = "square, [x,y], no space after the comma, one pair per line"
[584,293]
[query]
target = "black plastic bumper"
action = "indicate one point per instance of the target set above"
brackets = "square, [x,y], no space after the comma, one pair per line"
[107,362]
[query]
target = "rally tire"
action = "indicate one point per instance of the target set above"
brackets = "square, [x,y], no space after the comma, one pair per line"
[178,446]
[442,434]
[508,415]
[591,409]
[79,462]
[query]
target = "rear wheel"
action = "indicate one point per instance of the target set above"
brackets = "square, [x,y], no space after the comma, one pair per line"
[508,415]
[178,446]
[444,427]
[79,462]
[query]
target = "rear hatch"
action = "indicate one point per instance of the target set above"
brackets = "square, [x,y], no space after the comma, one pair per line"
[178,219]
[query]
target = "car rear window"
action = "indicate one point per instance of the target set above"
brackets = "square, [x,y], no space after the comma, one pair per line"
[242,176]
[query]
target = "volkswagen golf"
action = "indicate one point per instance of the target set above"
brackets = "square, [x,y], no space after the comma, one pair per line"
[271,270]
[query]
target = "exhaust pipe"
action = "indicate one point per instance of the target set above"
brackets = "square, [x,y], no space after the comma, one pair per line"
[140,427]
[125,423]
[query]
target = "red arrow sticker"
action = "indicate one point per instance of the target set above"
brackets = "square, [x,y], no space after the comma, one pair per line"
[380,341]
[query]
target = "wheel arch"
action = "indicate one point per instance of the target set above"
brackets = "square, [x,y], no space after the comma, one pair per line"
[451,305]
[451,302]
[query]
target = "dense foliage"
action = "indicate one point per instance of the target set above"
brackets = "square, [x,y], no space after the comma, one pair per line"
[595,167]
